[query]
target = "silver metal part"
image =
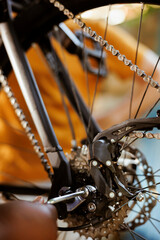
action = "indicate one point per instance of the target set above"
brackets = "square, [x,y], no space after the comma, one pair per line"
[77,202]
[111,194]
[25,124]
[91,207]
[66,197]
[108,163]
[140,197]
[84,150]
[120,194]
[112,208]
[80,199]
[94,163]
[30,89]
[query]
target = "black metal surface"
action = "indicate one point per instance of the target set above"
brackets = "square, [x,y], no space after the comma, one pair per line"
[4,16]
[104,151]
[67,84]
[118,131]
[35,104]
[73,42]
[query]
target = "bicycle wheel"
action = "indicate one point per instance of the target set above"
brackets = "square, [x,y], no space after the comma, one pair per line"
[134,153]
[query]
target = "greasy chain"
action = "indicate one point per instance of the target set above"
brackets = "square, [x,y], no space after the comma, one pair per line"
[22,118]
[106,45]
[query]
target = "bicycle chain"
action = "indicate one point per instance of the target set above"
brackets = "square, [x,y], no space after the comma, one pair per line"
[147,135]
[25,124]
[108,47]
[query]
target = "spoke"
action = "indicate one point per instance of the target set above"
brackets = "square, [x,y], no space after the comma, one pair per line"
[18,179]
[144,131]
[127,145]
[85,70]
[145,178]
[154,185]
[144,215]
[62,92]
[142,175]
[153,107]
[124,204]
[136,57]
[145,92]
[142,189]
[137,234]
[149,219]
[155,193]
[152,196]
[129,230]
[99,68]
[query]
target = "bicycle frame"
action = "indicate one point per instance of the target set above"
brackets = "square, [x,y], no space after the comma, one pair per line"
[35,103]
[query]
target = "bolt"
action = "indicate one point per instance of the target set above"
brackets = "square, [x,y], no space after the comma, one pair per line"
[94,163]
[111,194]
[108,163]
[112,208]
[73,143]
[84,150]
[120,194]
[91,207]
[140,197]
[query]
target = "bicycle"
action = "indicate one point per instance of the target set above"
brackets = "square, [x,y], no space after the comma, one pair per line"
[99,181]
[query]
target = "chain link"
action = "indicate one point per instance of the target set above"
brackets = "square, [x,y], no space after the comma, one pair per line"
[106,45]
[22,118]
[148,135]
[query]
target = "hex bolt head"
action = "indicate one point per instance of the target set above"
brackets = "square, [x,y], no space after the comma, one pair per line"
[91,207]
[94,163]
[84,150]
[108,163]
[111,194]
[140,197]
[120,194]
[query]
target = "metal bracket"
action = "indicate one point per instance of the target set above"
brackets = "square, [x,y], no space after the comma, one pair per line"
[74,44]
[117,132]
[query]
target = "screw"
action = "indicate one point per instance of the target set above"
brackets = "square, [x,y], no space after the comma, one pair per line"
[91,207]
[120,194]
[94,163]
[140,197]
[108,163]
[112,208]
[73,143]
[111,194]
[84,150]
